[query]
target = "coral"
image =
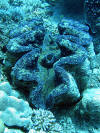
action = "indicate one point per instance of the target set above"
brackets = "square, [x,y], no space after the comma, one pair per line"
[25,32]
[98,24]
[96,40]
[6,87]
[53,2]
[44,120]
[2,127]
[92,12]
[7,16]
[7,130]
[89,106]
[16,15]
[34,131]
[4,15]
[15,2]
[14,111]
[4,4]
[52,68]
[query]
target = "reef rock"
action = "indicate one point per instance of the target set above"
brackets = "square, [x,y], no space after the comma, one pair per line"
[89,106]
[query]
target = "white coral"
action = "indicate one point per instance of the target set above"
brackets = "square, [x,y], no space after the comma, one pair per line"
[44,120]
[13,111]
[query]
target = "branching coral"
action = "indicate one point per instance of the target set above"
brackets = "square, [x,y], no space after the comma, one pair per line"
[44,120]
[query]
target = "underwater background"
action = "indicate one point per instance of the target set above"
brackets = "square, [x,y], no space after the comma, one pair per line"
[49,66]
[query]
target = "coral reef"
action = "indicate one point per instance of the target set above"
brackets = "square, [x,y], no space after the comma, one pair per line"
[87,111]
[15,2]
[72,40]
[92,12]
[33,131]
[44,120]
[89,106]
[13,131]
[2,127]
[49,57]
[98,24]
[13,111]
